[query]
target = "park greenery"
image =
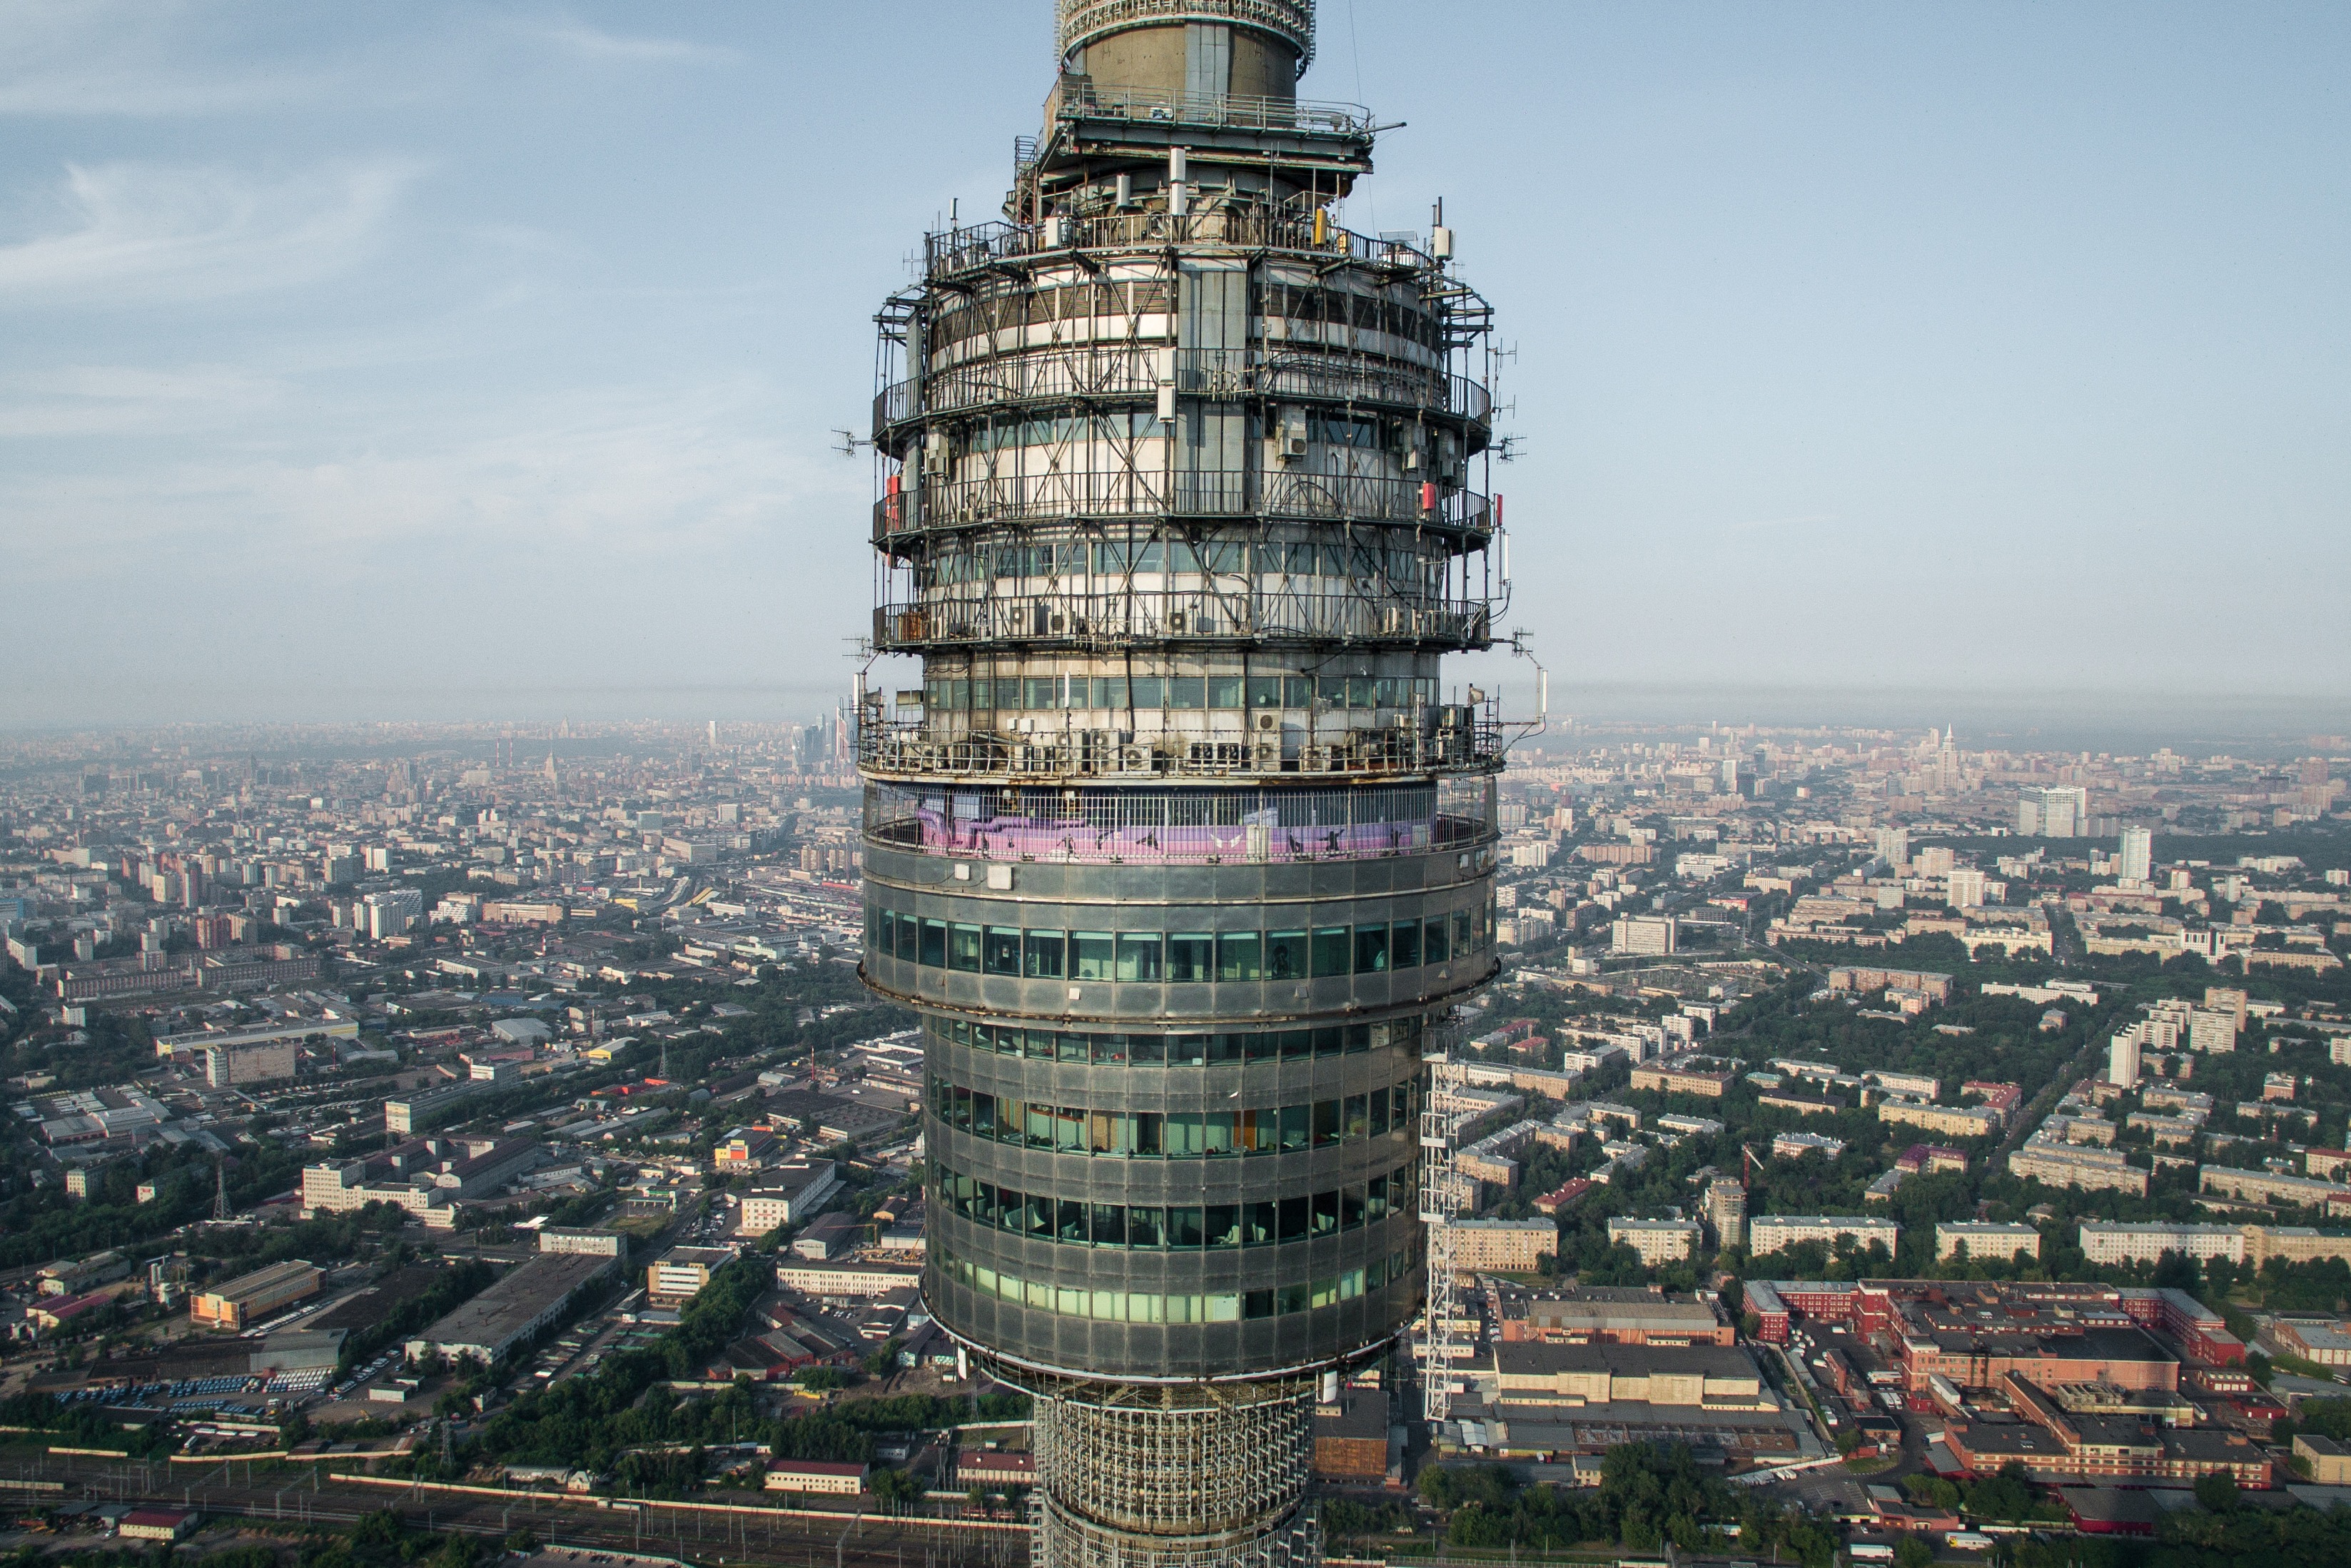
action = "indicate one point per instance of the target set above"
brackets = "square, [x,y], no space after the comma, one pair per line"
[1649,1496]
[625,1420]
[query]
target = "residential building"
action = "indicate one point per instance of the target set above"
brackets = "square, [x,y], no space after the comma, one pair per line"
[2145,1242]
[2066,1165]
[2122,1060]
[2138,860]
[1649,935]
[1501,1246]
[231,1066]
[1726,1210]
[1796,1146]
[1949,1121]
[1657,1240]
[2272,1187]
[1768,1233]
[1984,1239]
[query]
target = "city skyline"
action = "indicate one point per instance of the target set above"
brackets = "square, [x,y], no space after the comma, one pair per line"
[430,366]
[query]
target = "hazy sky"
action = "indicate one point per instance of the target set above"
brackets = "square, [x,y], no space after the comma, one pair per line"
[432,360]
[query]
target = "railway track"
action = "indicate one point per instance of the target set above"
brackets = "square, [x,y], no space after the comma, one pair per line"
[782,1541]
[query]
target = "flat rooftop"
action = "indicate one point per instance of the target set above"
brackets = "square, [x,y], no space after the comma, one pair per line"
[514,1302]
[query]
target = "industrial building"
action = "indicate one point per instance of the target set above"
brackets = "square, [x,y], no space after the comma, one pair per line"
[415,1111]
[1971,1333]
[532,1295]
[426,1177]
[1180,504]
[1609,1314]
[791,1194]
[681,1272]
[583,1243]
[1709,1376]
[236,1304]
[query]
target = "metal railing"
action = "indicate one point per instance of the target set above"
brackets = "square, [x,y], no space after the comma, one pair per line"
[1179,615]
[1281,494]
[1081,22]
[910,746]
[1134,371]
[949,252]
[1164,827]
[1082,99]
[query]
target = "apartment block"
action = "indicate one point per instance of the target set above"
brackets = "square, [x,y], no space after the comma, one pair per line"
[1657,1240]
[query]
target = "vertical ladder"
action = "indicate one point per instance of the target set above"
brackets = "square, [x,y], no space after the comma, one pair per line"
[1445,1196]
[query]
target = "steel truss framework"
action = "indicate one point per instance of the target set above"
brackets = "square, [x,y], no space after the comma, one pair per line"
[1173,1475]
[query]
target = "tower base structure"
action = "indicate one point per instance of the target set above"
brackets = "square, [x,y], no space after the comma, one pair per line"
[1191,1475]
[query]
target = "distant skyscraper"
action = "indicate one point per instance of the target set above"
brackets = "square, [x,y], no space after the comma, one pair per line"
[1181,844]
[2138,855]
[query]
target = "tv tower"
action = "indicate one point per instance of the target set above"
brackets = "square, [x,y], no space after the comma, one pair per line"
[1181,846]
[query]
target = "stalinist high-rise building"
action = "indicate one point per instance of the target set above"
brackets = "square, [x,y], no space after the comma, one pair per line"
[1185,840]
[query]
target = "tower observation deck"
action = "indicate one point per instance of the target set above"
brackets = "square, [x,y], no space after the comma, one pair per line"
[1183,842]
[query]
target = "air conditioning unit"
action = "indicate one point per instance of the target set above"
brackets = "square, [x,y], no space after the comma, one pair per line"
[1269,721]
[1175,622]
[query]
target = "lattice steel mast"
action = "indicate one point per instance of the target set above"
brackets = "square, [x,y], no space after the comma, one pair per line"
[1182,840]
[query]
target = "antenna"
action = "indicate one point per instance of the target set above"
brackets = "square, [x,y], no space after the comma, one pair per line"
[220,1191]
[849,444]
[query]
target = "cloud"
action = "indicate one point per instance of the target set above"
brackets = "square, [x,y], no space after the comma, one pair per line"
[595,44]
[68,58]
[149,233]
[129,400]
[578,488]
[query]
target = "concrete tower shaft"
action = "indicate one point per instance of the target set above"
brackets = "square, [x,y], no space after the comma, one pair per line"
[1249,48]
[1182,840]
